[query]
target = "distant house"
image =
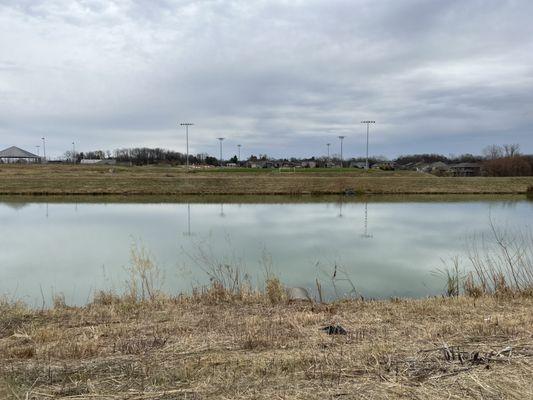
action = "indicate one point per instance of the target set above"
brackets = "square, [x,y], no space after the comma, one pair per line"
[386,165]
[358,164]
[17,155]
[260,164]
[466,169]
[105,161]
[308,164]
[438,168]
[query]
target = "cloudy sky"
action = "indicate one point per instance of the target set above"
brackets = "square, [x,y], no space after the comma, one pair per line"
[282,77]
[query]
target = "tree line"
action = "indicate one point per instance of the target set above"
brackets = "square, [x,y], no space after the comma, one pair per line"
[504,160]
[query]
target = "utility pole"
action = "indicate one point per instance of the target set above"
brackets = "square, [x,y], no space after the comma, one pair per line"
[341,138]
[367,130]
[186,125]
[328,144]
[220,140]
[239,151]
[73,153]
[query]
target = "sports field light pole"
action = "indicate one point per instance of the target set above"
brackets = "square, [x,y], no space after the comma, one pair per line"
[44,148]
[220,140]
[239,151]
[328,144]
[186,125]
[341,138]
[38,152]
[73,153]
[367,130]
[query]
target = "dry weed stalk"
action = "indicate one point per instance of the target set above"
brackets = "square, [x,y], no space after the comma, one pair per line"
[502,262]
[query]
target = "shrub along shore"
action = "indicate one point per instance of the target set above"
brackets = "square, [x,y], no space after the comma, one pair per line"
[166,180]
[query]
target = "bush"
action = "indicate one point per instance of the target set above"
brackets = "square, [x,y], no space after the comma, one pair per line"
[274,290]
[509,166]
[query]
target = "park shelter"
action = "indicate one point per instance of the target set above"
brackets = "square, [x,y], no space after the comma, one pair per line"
[17,155]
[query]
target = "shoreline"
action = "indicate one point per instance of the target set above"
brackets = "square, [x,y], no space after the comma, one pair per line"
[257,199]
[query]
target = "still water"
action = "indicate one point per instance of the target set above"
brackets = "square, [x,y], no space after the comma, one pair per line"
[385,247]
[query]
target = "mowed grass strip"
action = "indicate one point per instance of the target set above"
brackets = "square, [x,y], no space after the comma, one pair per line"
[93,180]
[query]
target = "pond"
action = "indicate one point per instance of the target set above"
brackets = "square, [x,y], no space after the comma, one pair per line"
[383,246]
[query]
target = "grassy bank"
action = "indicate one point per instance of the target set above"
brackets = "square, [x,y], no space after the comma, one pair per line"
[216,345]
[99,180]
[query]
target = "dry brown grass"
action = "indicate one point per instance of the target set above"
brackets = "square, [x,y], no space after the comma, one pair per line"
[244,347]
[94,180]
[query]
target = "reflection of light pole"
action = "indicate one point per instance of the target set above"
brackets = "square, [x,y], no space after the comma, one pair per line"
[44,148]
[366,234]
[222,210]
[188,233]
[239,150]
[341,138]
[367,130]
[340,209]
[220,140]
[186,125]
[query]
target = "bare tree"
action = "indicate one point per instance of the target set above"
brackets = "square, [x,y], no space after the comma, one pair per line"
[511,150]
[493,152]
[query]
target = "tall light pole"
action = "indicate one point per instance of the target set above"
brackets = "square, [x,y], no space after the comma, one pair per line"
[367,130]
[341,138]
[73,153]
[44,148]
[328,144]
[38,152]
[186,125]
[239,152]
[220,139]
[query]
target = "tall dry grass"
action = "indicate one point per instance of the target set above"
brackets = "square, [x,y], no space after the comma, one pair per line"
[498,263]
[501,262]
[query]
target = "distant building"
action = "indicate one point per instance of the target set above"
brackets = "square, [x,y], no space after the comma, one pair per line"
[438,168]
[358,164]
[385,165]
[308,164]
[466,169]
[17,155]
[105,161]
[260,164]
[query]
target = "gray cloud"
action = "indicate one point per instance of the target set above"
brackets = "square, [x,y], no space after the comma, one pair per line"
[281,77]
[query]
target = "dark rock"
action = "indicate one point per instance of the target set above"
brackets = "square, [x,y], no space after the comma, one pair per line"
[334,330]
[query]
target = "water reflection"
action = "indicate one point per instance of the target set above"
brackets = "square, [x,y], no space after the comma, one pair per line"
[188,233]
[366,234]
[72,244]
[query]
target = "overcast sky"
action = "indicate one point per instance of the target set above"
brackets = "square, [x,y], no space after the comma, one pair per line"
[279,77]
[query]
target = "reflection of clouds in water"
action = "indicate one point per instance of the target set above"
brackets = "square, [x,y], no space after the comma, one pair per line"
[69,251]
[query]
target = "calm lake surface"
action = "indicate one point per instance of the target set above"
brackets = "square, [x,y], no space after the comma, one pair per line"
[387,248]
